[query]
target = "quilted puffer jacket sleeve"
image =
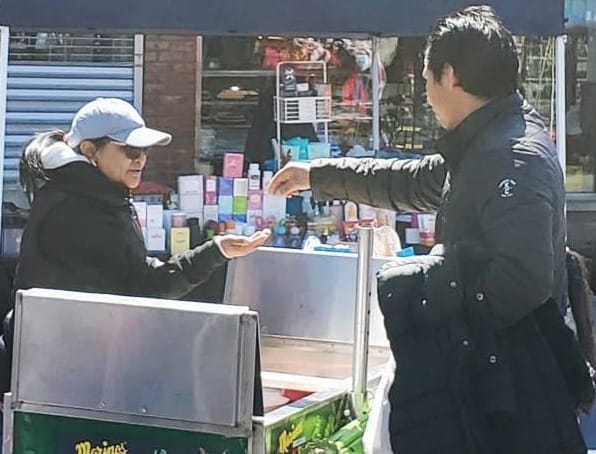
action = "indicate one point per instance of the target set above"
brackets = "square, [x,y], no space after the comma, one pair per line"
[396,184]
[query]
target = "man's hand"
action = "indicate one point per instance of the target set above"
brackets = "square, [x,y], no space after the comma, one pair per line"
[233,246]
[291,179]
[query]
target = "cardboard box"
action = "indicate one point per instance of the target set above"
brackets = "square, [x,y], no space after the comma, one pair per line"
[240,205]
[210,191]
[190,185]
[350,212]
[255,199]
[154,216]
[210,198]
[254,217]
[226,186]
[233,165]
[156,239]
[211,184]
[366,212]
[226,204]
[224,217]
[141,209]
[190,192]
[179,240]
[274,206]
[241,187]
[167,219]
[426,227]
[386,217]
[210,213]
[191,202]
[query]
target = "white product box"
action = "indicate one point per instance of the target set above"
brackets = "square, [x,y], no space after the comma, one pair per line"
[190,185]
[154,216]
[156,239]
[191,202]
[141,209]
[241,187]
[210,213]
[274,206]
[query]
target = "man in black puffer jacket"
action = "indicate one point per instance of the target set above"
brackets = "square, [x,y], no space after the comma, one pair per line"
[498,188]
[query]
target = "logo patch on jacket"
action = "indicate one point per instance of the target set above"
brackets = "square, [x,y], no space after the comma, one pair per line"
[506,186]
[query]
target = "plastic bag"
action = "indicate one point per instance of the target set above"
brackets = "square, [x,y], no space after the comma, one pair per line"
[376,436]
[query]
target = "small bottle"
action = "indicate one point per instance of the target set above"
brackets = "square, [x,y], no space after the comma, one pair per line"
[307,205]
[254,176]
[351,212]
[195,232]
[294,240]
[337,213]
[324,236]
[267,176]
[311,240]
[280,237]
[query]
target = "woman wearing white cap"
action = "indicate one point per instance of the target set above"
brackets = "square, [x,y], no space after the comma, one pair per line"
[82,233]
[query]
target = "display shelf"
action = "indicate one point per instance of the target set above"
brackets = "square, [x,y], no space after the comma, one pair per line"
[215,124]
[312,109]
[238,73]
[235,102]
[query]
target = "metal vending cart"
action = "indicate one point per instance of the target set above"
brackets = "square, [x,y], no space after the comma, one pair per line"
[105,374]
[102,374]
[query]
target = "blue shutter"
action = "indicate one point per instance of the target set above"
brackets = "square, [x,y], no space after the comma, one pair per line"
[41,97]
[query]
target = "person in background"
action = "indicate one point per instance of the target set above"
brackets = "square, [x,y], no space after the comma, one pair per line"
[258,147]
[515,383]
[83,233]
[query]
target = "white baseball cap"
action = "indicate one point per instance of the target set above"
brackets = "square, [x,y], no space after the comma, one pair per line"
[116,119]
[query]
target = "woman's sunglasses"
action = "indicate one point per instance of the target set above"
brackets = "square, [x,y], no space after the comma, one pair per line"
[132,153]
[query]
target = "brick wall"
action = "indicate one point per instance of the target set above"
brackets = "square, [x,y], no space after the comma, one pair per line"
[169,88]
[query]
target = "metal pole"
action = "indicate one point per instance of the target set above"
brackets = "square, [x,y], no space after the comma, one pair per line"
[362,318]
[138,71]
[560,111]
[277,150]
[376,107]
[4,40]
[7,425]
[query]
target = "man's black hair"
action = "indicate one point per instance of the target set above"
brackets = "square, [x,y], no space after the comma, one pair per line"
[480,49]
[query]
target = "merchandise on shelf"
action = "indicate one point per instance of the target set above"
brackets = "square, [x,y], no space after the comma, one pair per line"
[209,205]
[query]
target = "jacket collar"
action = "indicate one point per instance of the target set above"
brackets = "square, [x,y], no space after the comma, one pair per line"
[86,180]
[453,145]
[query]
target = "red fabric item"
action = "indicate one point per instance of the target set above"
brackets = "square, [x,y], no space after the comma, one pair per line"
[355,91]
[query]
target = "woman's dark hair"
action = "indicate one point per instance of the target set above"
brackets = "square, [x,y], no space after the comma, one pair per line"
[32,174]
[480,49]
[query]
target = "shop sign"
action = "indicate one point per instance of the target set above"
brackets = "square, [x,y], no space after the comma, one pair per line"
[294,434]
[47,434]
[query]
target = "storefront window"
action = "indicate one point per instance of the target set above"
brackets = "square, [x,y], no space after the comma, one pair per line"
[238,73]
[239,85]
[68,47]
[408,125]
[537,56]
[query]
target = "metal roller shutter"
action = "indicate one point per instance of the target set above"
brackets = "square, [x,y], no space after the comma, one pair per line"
[45,95]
